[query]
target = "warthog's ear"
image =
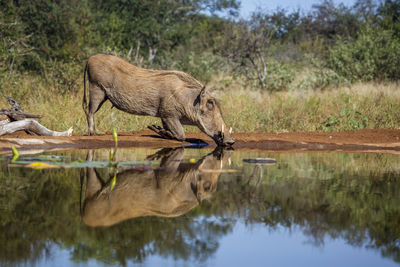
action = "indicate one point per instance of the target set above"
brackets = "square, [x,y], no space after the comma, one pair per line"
[203,91]
[200,98]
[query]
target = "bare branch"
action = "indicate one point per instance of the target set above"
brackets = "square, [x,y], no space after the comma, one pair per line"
[20,123]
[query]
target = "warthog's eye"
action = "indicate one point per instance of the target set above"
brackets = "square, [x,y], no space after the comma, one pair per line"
[210,104]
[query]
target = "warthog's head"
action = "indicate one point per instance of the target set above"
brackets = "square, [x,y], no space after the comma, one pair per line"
[210,169]
[210,119]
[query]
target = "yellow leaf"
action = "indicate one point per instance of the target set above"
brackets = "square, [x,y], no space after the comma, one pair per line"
[41,165]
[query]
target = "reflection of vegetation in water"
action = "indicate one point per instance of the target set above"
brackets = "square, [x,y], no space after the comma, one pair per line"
[182,238]
[350,196]
[34,205]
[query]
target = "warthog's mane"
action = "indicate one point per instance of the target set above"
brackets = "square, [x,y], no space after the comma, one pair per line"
[186,78]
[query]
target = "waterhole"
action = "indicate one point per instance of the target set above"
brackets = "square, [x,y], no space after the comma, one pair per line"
[199,207]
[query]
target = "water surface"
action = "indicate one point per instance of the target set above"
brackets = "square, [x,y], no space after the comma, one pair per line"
[176,207]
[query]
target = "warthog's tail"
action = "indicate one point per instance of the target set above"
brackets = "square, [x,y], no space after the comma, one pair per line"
[84,101]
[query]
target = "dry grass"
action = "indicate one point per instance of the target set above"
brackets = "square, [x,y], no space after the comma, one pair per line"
[356,107]
[360,105]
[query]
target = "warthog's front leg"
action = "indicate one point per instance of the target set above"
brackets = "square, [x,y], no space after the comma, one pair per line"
[172,129]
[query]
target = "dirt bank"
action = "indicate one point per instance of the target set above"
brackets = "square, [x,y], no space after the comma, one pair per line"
[376,140]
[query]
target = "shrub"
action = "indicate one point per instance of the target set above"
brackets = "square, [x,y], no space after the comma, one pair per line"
[373,55]
[201,66]
[348,118]
[279,75]
[319,76]
[321,79]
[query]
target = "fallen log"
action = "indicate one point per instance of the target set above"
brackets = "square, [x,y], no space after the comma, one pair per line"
[33,126]
[18,122]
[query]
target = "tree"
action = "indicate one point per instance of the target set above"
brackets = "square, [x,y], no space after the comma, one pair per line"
[14,43]
[152,27]
[389,16]
[331,21]
[246,44]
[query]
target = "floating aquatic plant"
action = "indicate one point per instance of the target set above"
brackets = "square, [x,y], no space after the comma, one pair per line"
[42,165]
[56,161]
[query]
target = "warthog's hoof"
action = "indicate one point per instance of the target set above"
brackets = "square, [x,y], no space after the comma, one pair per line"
[155,128]
[161,132]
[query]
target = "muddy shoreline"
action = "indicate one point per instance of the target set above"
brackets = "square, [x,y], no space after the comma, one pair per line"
[368,140]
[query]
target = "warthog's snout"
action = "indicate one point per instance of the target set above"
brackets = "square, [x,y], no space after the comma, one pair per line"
[230,142]
[223,140]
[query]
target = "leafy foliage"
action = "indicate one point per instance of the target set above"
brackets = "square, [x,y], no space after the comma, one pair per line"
[353,118]
[52,39]
[374,54]
[14,45]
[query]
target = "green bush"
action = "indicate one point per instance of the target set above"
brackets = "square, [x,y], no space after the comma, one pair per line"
[279,75]
[321,79]
[373,55]
[348,118]
[201,66]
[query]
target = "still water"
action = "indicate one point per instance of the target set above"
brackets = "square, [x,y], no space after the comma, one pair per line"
[199,207]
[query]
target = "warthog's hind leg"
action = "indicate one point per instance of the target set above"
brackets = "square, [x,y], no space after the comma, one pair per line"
[96,98]
[172,129]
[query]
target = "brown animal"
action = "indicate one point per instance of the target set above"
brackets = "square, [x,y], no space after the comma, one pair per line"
[175,97]
[171,190]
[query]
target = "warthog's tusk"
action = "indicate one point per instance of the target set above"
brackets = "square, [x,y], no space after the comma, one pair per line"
[220,166]
[229,161]
[223,128]
[230,130]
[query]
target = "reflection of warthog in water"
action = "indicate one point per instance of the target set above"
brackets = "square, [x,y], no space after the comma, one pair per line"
[175,97]
[171,190]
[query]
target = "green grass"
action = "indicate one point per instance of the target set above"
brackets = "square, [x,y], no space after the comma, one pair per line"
[363,105]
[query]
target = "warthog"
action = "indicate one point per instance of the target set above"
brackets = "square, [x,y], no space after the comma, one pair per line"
[175,97]
[171,190]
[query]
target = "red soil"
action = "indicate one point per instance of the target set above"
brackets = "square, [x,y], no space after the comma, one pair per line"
[368,140]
